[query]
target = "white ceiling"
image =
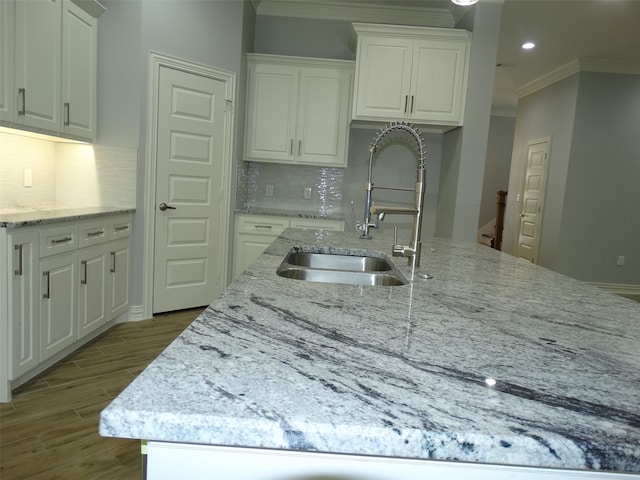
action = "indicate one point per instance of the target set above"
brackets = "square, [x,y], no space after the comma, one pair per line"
[563,30]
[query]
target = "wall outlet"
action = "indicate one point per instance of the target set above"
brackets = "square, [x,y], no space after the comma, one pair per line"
[28,177]
[307,192]
[268,191]
[620,261]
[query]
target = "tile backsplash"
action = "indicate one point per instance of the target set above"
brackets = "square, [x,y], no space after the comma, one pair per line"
[300,188]
[66,173]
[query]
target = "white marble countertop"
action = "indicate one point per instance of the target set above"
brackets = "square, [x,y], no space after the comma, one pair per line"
[402,371]
[16,216]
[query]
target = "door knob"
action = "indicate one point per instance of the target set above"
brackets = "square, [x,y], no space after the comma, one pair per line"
[163,206]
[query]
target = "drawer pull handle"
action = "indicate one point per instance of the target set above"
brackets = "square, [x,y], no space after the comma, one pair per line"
[18,271]
[299,147]
[113,262]
[61,240]
[406,101]
[95,234]
[47,293]
[67,114]
[412,98]
[268,227]
[124,227]
[23,93]
[83,263]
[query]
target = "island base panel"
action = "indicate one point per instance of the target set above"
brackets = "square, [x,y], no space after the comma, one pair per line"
[168,461]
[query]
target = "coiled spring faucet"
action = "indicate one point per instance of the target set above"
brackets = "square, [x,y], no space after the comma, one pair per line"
[412,252]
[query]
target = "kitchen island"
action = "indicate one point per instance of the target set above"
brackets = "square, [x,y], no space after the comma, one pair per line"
[490,367]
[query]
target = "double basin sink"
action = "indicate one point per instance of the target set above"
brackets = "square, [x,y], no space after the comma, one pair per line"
[352,267]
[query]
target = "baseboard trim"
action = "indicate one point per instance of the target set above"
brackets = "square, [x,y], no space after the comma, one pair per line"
[618,288]
[136,313]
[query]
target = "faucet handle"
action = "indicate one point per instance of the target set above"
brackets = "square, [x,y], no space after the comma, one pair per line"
[395,235]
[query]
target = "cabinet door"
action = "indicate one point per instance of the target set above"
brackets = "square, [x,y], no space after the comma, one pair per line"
[248,249]
[79,66]
[271,111]
[119,265]
[7,96]
[437,81]
[23,302]
[37,59]
[92,289]
[58,303]
[383,78]
[323,117]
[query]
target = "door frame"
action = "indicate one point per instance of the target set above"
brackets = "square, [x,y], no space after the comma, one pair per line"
[543,190]
[156,62]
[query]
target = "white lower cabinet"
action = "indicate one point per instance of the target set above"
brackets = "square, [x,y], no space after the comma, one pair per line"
[254,233]
[22,301]
[58,304]
[63,284]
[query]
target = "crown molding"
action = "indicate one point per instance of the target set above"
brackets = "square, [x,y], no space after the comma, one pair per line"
[368,12]
[548,78]
[600,65]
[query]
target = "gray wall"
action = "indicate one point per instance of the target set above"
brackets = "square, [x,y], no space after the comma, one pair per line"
[464,152]
[601,214]
[210,33]
[550,113]
[592,197]
[496,168]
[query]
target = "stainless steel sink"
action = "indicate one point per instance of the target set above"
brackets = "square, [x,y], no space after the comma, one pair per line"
[353,263]
[353,269]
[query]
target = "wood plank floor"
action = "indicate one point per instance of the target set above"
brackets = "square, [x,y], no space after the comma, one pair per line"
[50,429]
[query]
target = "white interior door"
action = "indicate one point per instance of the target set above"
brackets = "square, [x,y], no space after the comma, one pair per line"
[190,216]
[533,199]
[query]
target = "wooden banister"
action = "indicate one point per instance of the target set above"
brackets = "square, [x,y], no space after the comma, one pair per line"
[501,204]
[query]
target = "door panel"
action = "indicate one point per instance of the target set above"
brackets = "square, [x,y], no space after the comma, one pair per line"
[188,265]
[533,200]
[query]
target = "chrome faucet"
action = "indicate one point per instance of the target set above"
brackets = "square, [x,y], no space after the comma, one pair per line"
[411,251]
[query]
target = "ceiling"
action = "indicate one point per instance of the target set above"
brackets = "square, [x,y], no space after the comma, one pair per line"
[564,31]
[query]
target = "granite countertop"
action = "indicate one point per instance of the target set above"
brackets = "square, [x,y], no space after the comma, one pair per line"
[288,213]
[493,360]
[15,216]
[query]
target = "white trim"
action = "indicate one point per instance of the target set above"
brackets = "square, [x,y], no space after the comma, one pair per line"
[600,65]
[618,288]
[156,61]
[369,12]
[548,78]
[136,313]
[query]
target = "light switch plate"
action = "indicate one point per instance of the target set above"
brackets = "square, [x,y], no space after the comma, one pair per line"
[269,190]
[28,177]
[307,193]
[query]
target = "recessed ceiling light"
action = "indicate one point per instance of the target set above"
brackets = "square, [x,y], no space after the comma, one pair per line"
[528,45]
[465,3]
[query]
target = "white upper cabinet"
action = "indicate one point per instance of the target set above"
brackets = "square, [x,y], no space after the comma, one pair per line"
[79,68]
[298,110]
[7,100]
[415,74]
[49,61]
[38,29]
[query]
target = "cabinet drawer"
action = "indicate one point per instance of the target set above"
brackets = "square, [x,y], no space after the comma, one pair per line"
[119,227]
[92,233]
[260,224]
[316,224]
[56,240]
